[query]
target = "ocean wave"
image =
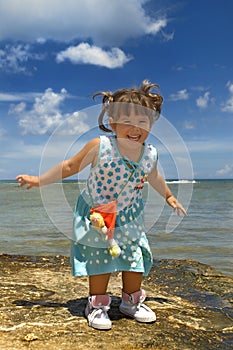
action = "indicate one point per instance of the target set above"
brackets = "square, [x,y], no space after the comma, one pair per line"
[181,181]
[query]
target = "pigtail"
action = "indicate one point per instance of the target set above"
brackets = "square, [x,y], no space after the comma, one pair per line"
[106,99]
[101,122]
[156,99]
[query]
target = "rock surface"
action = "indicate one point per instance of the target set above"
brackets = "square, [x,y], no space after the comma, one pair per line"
[42,307]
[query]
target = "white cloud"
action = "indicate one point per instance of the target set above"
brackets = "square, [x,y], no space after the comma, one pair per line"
[228,107]
[227,170]
[19,150]
[180,95]
[18,96]
[87,54]
[155,27]
[45,115]
[179,68]
[209,146]
[13,58]
[105,23]
[168,37]
[203,101]
[200,88]
[188,125]
[2,132]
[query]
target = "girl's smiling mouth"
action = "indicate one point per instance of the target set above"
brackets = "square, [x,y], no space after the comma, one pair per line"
[134,138]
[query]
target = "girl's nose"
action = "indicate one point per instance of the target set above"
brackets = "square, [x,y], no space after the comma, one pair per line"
[134,127]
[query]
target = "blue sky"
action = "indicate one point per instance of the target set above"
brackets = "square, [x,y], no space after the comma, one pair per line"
[55,54]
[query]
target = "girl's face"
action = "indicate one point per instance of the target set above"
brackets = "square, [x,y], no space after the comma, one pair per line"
[132,127]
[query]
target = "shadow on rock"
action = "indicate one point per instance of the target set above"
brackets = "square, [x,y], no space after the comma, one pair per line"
[76,307]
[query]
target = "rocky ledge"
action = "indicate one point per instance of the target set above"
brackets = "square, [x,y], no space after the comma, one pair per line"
[42,307]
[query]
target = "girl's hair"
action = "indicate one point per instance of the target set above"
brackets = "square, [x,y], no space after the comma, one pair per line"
[144,102]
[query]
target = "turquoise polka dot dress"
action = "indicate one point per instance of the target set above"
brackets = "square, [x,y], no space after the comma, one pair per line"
[111,176]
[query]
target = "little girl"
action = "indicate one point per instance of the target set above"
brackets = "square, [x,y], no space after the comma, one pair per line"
[120,164]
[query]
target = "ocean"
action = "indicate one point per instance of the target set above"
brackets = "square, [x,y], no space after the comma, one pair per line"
[40,223]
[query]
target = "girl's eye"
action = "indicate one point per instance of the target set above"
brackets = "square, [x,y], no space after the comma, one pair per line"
[140,122]
[143,122]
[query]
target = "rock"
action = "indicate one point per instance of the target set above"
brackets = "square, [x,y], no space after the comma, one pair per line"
[42,307]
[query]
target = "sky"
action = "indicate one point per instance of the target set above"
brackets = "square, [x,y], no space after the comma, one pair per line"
[55,54]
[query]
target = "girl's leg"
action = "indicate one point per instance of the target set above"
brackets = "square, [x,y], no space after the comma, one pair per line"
[98,302]
[133,297]
[98,284]
[131,281]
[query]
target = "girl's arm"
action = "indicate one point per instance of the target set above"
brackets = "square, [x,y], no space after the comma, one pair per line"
[158,183]
[87,155]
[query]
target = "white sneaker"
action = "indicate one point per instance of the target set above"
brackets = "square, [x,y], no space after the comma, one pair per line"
[132,305]
[96,311]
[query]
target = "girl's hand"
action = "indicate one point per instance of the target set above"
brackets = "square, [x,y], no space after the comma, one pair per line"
[173,202]
[30,181]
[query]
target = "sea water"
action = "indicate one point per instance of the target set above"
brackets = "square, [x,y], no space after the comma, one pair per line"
[205,234]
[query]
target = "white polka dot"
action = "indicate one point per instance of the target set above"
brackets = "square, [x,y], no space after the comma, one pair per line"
[97,253]
[92,253]
[133,264]
[124,257]
[97,261]
[130,258]
[105,261]
[84,247]
[90,262]
[96,239]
